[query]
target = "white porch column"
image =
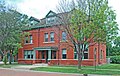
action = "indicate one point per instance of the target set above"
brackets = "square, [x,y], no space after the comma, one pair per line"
[34,55]
[49,54]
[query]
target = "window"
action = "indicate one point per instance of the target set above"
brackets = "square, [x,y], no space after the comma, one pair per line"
[43,55]
[31,39]
[32,23]
[46,37]
[75,55]
[64,36]
[53,54]
[50,20]
[52,36]
[101,54]
[86,51]
[64,54]
[25,54]
[26,39]
[28,54]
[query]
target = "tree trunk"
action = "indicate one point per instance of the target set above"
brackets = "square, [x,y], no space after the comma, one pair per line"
[10,58]
[79,56]
[79,62]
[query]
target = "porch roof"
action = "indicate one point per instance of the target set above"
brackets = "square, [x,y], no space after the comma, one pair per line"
[46,48]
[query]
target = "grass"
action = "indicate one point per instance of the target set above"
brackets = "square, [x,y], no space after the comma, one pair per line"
[8,65]
[108,69]
[11,65]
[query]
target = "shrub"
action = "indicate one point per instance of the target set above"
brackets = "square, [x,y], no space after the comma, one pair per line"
[115,59]
[5,59]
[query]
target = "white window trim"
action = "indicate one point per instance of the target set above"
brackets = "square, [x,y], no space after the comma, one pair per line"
[83,58]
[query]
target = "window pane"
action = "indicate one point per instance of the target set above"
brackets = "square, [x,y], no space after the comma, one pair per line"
[64,36]
[101,54]
[64,56]
[64,53]
[29,52]
[31,39]
[46,37]
[26,40]
[52,36]
[28,56]
[75,55]
[31,56]
[85,55]
[86,47]
[50,20]
[25,54]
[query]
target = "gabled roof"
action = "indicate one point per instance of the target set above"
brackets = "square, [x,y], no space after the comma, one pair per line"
[33,18]
[43,24]
[50,14]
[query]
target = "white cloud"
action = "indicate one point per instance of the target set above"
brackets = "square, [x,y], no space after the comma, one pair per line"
[37,8]
[115,4]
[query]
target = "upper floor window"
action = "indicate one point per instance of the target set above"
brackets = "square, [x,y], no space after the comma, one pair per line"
[50,20]
[64,36]
[101,54]
[31,39]
[52,36]
[46,37]
[28,39]
[64,54]
[31,22]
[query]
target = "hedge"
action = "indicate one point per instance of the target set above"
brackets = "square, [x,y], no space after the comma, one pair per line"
[115,59]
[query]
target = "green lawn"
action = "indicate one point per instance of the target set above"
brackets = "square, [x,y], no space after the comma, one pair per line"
[11,65]
[108,69]
[8,65]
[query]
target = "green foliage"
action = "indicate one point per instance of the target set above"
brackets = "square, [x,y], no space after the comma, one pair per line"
[115,59]
[15,51]
[89,20]
[5,59]
[11,25]
[113,49]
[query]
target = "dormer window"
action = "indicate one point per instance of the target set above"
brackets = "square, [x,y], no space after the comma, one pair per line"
[50,20]
[32,23]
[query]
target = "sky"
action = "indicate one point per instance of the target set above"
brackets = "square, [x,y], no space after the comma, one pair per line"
[39,8]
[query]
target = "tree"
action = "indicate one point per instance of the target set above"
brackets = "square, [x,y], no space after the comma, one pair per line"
[87,21]
[11,25]
[115,49]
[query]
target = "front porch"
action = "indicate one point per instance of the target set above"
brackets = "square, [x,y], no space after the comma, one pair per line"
[44,54]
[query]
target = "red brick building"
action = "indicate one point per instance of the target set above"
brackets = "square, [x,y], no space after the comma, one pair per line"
[47,44]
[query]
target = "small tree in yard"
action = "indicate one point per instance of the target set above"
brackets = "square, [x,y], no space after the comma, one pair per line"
[5,59]
[87,21]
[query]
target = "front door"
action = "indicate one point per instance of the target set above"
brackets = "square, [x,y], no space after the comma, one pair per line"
[46,56]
